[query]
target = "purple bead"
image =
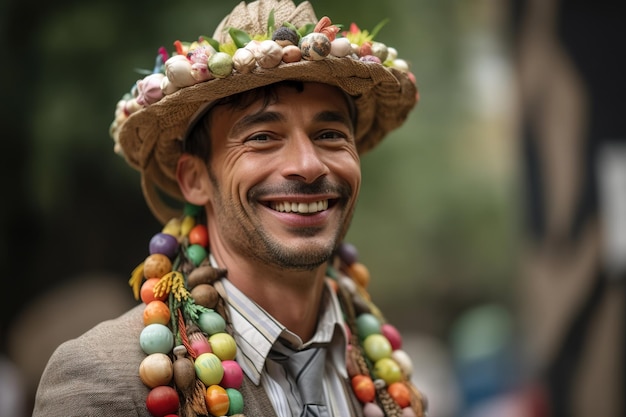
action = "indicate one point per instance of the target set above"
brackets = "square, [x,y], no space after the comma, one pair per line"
[164,244]
[348,253]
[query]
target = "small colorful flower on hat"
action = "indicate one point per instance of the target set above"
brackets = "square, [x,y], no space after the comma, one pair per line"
[326,27]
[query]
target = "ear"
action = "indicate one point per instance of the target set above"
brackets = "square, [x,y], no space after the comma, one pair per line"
[193,179]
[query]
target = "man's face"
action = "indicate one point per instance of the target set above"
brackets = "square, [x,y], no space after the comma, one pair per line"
[285,177]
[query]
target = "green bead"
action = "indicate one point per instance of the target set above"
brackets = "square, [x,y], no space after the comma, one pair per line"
[367,324]
[211,322]
[235,401]
[191,210]
[196,254]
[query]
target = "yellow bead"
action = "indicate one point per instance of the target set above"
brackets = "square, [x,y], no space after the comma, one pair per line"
[187,224]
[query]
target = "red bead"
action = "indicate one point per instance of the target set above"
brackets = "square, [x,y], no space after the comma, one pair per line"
[162,400]
[364,389]
[198,235]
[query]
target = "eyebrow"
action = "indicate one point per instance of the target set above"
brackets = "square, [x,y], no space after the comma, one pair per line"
[269,117]
[255,119]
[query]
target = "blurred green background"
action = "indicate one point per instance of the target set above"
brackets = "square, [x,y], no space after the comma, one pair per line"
[438,218]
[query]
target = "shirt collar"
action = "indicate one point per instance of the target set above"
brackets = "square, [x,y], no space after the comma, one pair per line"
[255,330]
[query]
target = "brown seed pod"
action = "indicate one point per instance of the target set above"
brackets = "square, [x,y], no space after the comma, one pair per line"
[184,371]
[204,275]
[205,295]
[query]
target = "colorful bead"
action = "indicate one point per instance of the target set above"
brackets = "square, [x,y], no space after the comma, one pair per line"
[400,393]
[147,291]
[315,46]
[233,374]
[223,346]
[209,369]
[156,369]
[388,370]
[199,235]
[404,361]
[156,338]
[363,387]
[156,265]
[199,343]
[187,224]
[235,400]
[373,410]
[162,400]
[164,244]
[376,346]
[196,254]
[217,400]
[367,324]
[392,334]
[220,64]
[210,322]
[156,311]
[360,274]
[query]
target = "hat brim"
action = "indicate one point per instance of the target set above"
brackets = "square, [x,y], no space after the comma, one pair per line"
[151,139]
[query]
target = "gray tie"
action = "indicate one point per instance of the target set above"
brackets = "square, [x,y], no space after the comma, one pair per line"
[305,369]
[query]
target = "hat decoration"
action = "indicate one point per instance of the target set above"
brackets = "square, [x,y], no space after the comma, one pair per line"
[207,59]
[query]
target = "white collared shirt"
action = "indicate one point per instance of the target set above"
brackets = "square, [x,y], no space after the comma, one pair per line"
[255,331]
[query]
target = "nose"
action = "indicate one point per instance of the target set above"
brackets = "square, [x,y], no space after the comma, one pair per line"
[302,159]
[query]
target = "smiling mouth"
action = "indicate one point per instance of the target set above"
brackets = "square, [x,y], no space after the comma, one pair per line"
[297,207]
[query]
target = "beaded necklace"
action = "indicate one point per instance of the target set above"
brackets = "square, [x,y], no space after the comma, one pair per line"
[190,364]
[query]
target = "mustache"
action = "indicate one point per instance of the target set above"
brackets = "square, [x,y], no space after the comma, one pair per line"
[320,186]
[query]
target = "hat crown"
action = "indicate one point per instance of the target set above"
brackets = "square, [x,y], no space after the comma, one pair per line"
[253,17]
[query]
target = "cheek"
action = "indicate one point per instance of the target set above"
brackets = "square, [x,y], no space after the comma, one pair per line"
[349,168]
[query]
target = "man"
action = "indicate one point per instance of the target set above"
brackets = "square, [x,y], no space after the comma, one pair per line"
[251,279]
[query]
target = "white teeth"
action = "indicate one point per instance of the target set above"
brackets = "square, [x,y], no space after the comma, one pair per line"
[288,207]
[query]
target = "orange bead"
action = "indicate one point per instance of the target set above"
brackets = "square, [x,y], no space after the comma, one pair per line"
[156,265]
[360,274]
[217,400]
[364,389]
[156,312]
[400,393]
[147,291]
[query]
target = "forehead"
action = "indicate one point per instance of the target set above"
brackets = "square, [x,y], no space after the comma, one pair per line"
[298,97]
[283,92]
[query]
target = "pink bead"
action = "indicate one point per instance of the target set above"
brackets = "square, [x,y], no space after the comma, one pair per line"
[392,334]
[233,374]
[408,412]
[348,332]
[200,344]
[372,410]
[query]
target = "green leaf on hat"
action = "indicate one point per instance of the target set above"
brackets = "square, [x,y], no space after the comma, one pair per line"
[214,44]
[378,28]
[270,23]
[240,37]
[306,29]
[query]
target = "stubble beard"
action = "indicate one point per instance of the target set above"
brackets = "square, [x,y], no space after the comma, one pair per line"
[257,242]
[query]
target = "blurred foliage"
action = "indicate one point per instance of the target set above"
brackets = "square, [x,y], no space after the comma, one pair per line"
[436,221]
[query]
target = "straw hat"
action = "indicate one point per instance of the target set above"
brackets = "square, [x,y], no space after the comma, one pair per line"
[249,50]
